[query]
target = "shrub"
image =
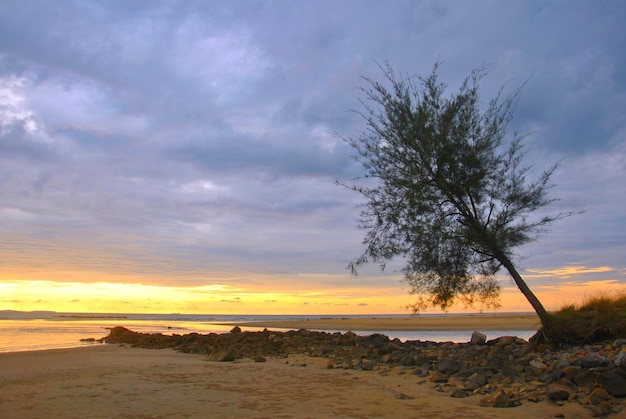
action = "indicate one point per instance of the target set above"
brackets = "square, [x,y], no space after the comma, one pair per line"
[599,317]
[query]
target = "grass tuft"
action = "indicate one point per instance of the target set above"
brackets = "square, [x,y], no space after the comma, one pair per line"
[599,317]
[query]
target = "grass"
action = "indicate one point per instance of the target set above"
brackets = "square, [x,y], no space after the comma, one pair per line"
[598,318]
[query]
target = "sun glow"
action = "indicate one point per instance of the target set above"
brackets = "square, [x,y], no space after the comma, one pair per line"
[245,293]
[217,298]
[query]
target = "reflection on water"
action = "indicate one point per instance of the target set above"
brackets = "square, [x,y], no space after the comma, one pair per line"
[19,334]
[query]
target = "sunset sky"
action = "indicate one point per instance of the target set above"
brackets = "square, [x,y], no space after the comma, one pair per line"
[180,156]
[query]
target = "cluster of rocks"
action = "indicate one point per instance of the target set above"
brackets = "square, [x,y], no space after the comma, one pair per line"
[504,372]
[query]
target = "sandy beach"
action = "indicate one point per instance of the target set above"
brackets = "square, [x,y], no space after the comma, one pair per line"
[113,381]
[481,322]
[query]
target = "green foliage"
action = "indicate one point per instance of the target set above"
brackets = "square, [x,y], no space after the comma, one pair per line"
[451,196]
[597,318]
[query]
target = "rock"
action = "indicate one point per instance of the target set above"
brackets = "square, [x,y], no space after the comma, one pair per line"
[477,380]
[235,329]
[528,348]
[619,343]
[377,339]
[596,397]
[538,364]
[478,338]
[535,397]
[497,399]
[407,361]
[421,359]
[599,411]
[459,393]
[347,363]
[509,370]
[584,378]
[402,396]
[438,377]
[593,360]
[557,391]
[613,383]
[260,358]
[506,340]
[620,359]
[222,355]
[366,364]
[449,366]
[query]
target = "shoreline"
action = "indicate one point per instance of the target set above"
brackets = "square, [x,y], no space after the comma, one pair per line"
[479,322]
[457,328]
[119,381]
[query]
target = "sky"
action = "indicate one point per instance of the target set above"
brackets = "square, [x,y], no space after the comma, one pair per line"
[181,156]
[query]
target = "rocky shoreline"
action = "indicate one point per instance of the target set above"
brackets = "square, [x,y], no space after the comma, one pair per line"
[503,372]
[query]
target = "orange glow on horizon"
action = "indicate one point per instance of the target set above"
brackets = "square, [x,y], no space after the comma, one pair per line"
[300,294]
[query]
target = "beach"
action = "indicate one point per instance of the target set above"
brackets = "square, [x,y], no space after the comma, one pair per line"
[117,381]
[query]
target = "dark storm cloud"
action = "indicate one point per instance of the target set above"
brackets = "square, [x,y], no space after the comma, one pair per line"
[175,136]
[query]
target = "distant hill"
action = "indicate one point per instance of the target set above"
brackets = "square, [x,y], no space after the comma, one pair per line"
[14,314]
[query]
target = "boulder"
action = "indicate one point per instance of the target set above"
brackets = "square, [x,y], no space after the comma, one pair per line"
[613,383]
[438,377]
[593,360]
[449,366]
[506,340]
[477,380]
[497,399]
[596,397]
[584,378]
[459,393]
[557,391]
[223,355]
[407,361]
[478,338]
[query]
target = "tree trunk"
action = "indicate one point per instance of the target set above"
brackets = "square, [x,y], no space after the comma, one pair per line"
[530,296]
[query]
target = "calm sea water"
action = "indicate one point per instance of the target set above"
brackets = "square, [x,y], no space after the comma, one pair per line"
[46,330]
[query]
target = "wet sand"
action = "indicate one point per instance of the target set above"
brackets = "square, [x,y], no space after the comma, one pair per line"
[111,381]
[481,322]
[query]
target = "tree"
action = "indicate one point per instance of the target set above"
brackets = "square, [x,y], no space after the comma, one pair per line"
[445,189]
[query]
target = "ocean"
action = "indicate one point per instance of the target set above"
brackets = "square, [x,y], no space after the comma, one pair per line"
[29,331]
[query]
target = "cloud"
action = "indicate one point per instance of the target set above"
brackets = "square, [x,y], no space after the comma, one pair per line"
[569,271]
[194,141]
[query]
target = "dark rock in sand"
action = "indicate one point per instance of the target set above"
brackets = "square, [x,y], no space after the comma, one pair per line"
[497,399]
[557,391]
[593,360]
[613,383]
[477,380]
[402,396]
[223,355]
[449,366]
[459,393]
[596,397]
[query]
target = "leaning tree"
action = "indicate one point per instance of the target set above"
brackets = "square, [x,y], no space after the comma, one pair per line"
[446,189]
